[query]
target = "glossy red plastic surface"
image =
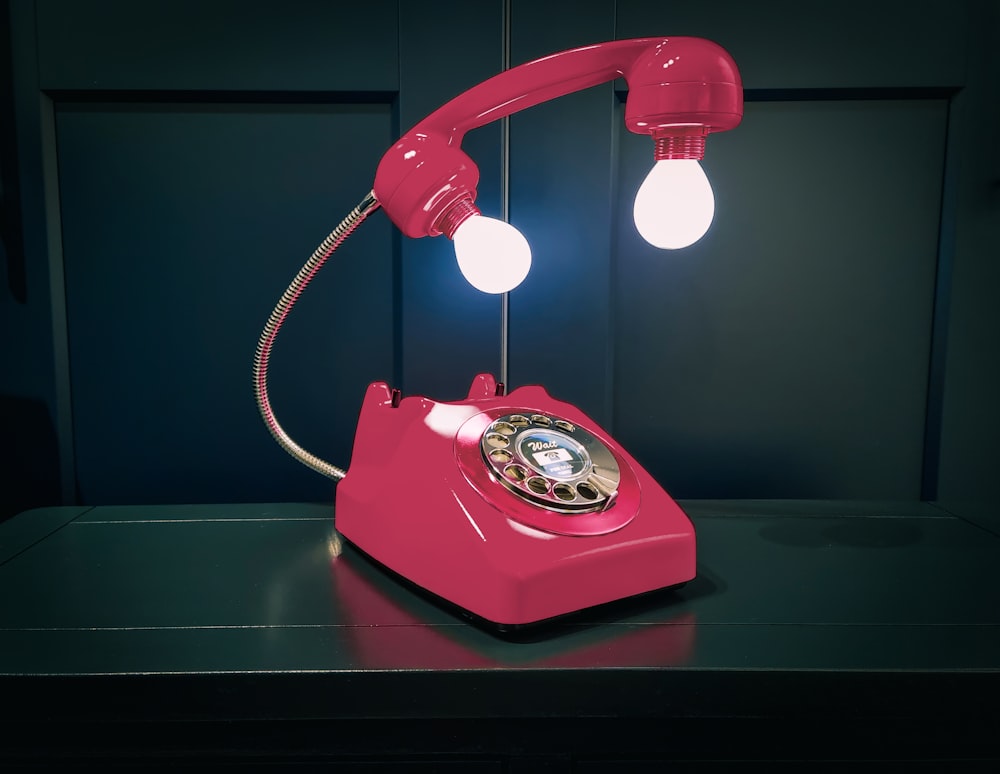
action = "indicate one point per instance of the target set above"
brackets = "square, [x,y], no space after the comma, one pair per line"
[682,82]
[407,503]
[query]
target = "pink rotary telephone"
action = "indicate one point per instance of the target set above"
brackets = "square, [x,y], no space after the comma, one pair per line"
[518,508]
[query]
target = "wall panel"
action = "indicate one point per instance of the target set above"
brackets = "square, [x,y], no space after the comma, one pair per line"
[182,224]
[788,351]
[561,181]
[296,45]
[450,331]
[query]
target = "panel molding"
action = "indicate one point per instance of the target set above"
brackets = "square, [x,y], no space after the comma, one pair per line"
[291,46]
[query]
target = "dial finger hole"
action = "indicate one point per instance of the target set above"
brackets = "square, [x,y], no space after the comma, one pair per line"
[564,492]
[587,491]
[537,484]
[497,441]
[515,472]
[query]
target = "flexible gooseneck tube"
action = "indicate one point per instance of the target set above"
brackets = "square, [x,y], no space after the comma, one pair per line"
[266,342]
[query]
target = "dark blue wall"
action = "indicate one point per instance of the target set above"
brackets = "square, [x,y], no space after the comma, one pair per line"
[833,335]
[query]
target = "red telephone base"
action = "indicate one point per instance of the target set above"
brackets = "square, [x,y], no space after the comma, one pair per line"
[516,508]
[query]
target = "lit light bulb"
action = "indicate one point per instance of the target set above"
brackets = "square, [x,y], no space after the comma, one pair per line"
[675,204]
[493,256]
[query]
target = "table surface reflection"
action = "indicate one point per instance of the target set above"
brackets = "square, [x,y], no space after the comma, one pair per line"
[805,598]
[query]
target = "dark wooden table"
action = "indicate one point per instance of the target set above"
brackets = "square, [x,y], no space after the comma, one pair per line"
[249,634]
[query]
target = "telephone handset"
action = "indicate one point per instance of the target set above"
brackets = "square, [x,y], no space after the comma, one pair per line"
[516,508]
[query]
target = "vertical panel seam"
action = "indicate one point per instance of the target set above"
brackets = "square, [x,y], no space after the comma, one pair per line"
[57,294]
[614,194]
[940,312]
[396,257]
[505,35]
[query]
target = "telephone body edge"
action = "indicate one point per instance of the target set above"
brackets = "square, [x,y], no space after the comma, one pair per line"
[415,501]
